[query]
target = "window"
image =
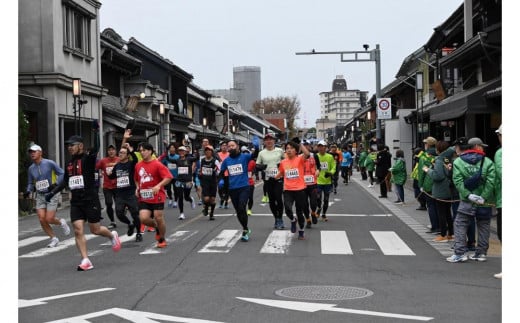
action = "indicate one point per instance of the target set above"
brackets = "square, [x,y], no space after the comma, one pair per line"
[76,29]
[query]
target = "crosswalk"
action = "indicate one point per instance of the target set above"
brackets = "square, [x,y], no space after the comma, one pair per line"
[332,242]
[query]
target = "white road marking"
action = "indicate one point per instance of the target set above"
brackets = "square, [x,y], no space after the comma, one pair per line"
[172,238]
[43,300]
[31,240]
[333,214]
[278,242]
[62,245]
[335,243]
[390,244]
[223,242]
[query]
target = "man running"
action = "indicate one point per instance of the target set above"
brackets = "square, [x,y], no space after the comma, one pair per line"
[223,191]
[109,185]
[150,177]
[84,202]
[327,170]
[209,170]
[44,175]
[168,159]
[268,159]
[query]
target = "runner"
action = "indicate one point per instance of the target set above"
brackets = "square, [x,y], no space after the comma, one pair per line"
[44,175]
[84,202]
[123,173]
[327,170]
[109,185]
[150,176]
[223,191]
[184,182]
[168,159]
[209,169]
[236,164]
[269,159]
[311,172]
[292,170]
[251,166]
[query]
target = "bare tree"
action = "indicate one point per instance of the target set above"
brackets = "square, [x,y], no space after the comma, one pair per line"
[290,106]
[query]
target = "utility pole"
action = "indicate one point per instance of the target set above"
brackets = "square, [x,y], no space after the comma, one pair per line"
[360,56]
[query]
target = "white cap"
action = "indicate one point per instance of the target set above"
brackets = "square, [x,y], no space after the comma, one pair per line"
[322,143]
[35,148]
[243,148]
[182,148]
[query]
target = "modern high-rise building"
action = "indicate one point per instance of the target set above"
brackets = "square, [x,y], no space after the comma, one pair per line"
[247,84]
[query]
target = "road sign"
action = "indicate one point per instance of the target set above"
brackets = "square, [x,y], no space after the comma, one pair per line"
[384,108]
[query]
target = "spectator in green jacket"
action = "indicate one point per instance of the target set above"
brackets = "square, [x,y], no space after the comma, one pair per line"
[370,165]
[399,175]
[498,188]
[427,158]
[477,196]
[362,157]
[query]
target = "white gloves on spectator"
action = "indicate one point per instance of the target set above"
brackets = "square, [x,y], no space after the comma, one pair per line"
[476,199]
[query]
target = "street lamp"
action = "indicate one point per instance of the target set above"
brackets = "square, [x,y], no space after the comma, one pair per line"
[361,56]
[204,123]
[76,93]
[419,88]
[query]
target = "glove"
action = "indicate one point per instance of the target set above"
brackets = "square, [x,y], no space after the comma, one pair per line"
[26,194]
[328,174]
[421,189]
[221,183]
[48,197]
[95,124]
[476,199]
[261,167]
[296,140]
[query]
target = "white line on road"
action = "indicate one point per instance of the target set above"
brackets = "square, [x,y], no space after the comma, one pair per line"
[278,242]
[333,214]
[390,244]
[223,242]
[43,300]
[31,240]
[61,246]
[335,243]
[172,238]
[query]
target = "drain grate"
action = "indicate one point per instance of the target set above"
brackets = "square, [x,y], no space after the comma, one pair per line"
[324,293]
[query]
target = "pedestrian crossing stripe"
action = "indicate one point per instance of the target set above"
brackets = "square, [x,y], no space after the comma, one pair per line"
[328,215]
[278,242]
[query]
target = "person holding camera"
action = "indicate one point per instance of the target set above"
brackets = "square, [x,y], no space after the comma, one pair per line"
[43,176]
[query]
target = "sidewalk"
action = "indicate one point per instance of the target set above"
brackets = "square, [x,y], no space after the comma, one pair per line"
[419,220]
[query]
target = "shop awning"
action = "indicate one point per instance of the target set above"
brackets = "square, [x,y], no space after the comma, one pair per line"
[471,101]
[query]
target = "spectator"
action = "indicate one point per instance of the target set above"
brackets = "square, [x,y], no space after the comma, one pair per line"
[398,172]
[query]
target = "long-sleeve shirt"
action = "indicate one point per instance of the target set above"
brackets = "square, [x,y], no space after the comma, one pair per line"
[42,175]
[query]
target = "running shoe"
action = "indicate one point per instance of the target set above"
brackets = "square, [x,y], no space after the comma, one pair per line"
[211,217]
[301,235]
[85,265]
[138,237]
[324,218]
[182,217]
[318,211]
[65,227]
[130,231]
[293,226]
[112,225]
[151,229]
[161,244]
[142,228]
[157,235]
[265,199]
[457,258]
[245,235]
[116,243]
[174,204]
[54,242]
[249,212]
[309,224]
[478,257]
[314,218]
[170,203]
[205,211]
[200,202]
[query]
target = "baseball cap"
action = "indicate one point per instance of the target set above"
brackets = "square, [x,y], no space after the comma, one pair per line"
[476,141]
[74,140]
[322,143]
[182,148]
[499,130]
[269,135]
[35,148]
[462,141]
[111,146]
[209,147]
[430,141]
[305,142]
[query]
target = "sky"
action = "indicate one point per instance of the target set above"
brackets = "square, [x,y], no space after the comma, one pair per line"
[207,38]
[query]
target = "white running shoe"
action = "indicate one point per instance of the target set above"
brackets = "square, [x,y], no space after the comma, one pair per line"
[182,217]
[65,227]
[85,265]
[54,242]
[116,243]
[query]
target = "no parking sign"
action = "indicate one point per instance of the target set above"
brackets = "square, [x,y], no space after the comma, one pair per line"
[384,108]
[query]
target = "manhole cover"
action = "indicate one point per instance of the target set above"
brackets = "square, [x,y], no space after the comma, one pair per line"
[324,293]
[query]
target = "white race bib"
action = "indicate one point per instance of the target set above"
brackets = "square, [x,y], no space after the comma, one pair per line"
[183,170]
[271,172]
[292,173]
[172,166]
[235,169]
[42,186]
[76,182]
[123,181]
[309,179]
[324,165]
[208,171]
[146,194]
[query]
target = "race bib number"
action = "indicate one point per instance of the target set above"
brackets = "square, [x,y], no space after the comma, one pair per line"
[183,170]
[208,171]
[309,179]
[172,166]
[146,194]
[271,172]
[324,165]
[235,169]
[42,186]
[76,182]
[123,181]
[96,176]
[292,173]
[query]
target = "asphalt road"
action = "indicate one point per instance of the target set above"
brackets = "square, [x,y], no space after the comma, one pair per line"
[371,262]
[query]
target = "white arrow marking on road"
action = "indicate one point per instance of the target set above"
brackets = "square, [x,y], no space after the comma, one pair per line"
[314,307]
[41,301]
[131,316]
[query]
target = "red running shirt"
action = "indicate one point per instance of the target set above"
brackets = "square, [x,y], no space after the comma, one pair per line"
[147,175]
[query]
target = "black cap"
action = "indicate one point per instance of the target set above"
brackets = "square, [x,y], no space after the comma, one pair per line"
[111,146]
[74,140]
